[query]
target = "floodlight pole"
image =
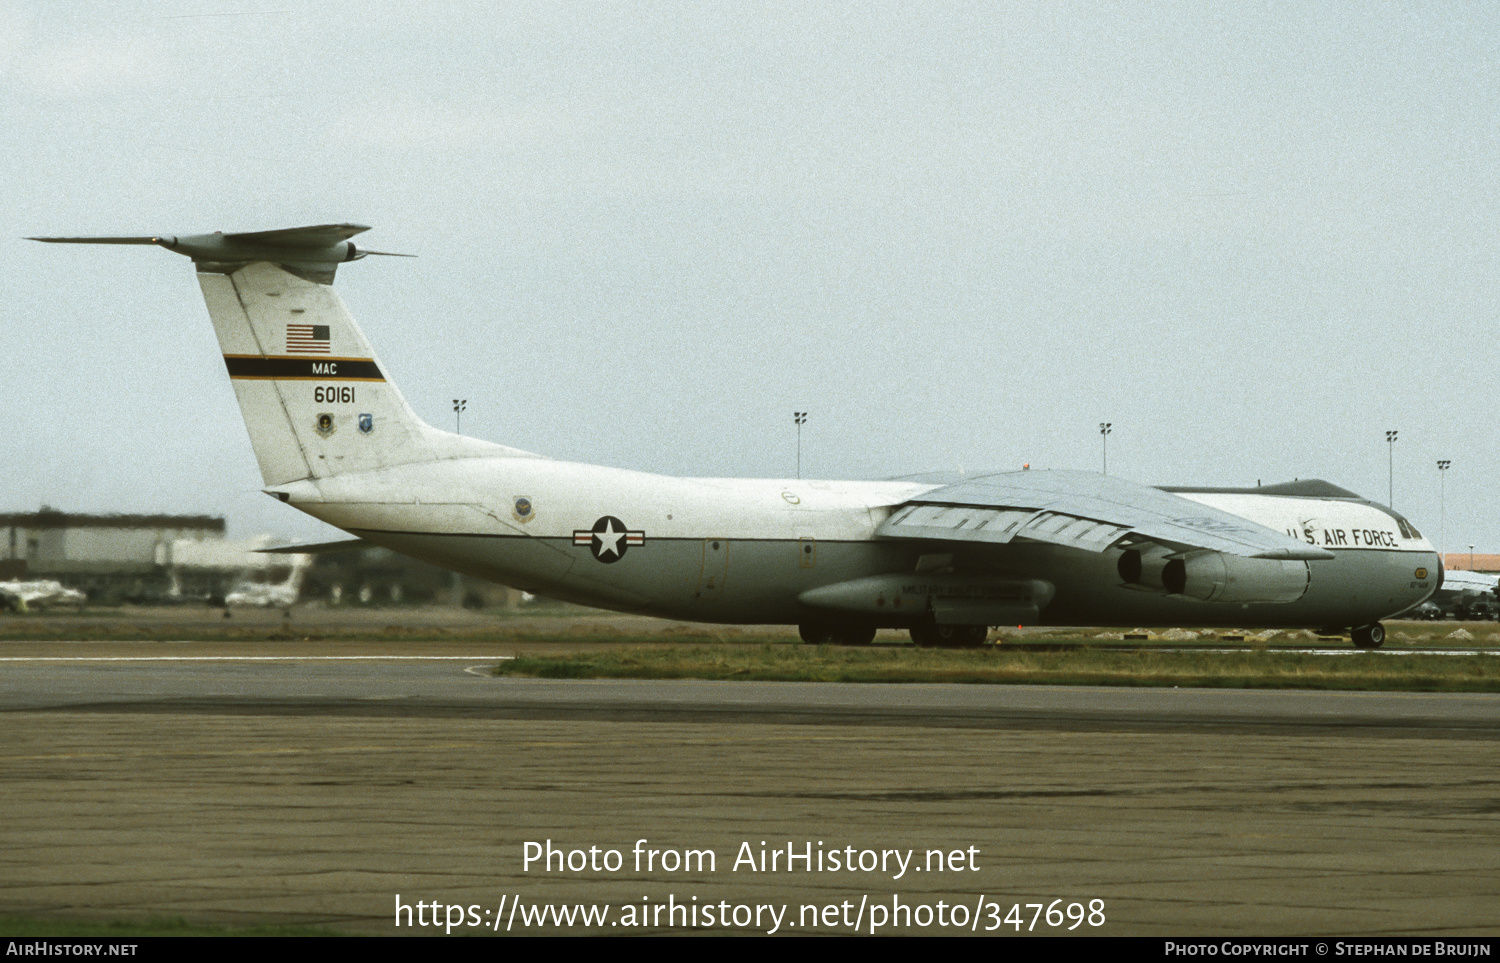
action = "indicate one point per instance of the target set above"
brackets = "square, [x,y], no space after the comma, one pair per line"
[459,404]
[1390,471]
[1443,465]
[1105,427]
[800,417]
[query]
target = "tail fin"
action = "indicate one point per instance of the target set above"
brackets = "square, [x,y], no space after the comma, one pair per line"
[315,399]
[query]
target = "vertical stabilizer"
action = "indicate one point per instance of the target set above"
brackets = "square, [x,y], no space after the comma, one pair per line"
[315,399]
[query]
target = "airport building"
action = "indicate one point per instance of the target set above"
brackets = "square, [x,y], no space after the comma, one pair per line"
[177,559]
[1471,562]
[129,557]
[83,550]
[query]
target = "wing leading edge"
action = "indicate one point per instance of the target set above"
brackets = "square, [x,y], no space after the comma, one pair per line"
[1086,511]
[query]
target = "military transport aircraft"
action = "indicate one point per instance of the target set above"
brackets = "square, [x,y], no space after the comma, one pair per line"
[945,557]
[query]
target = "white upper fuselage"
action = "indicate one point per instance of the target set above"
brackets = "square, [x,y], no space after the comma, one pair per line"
[479,495]
[1326,523]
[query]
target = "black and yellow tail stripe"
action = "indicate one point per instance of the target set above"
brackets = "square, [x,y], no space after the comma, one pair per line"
[256,367]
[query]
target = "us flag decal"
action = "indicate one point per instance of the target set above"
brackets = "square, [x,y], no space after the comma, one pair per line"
[307,339]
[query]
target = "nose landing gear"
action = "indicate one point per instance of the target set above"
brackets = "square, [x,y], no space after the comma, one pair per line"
[1367,637]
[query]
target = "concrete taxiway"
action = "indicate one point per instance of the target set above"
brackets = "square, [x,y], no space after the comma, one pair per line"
[317,790]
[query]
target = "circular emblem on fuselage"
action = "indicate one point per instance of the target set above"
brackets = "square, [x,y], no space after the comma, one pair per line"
[523,512]
[325,424]
[1421,573]
[608,539]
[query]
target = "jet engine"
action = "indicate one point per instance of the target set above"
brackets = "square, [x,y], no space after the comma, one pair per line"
[1216,577]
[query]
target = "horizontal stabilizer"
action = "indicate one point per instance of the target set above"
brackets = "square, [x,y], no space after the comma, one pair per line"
[320,235]
[311,252]
[98,240]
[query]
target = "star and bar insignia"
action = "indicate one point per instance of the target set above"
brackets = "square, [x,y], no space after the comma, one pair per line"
[608,539]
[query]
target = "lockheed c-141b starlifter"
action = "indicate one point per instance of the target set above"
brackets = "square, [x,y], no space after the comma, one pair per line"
[945,557]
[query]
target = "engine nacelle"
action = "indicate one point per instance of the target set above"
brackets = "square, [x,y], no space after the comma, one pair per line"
[1214,577]
[1143,570]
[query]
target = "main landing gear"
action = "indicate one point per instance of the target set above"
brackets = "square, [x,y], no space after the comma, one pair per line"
[926,634]
[836,633]
[929,635]
[1370,636]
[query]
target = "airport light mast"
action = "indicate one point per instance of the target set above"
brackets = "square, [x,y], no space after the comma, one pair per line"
[459,404]
[800,417]
[1390,471]
[1443,466]
[1105,427]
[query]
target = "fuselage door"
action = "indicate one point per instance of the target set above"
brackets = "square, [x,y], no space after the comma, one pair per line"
[715,568]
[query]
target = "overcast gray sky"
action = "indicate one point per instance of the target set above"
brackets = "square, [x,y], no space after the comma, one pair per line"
[1253,237]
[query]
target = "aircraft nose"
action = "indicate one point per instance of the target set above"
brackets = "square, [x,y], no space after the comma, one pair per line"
[1432,566]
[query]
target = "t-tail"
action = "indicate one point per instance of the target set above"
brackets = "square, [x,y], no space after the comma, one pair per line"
[315,399]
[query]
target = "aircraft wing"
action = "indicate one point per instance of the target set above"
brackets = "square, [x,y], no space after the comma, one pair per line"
[318,548]
[1086,511]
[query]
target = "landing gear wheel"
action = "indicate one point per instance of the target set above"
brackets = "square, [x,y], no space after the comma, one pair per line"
[929,634]
[836,633]
[854,634]
[1370,636]
[815,633]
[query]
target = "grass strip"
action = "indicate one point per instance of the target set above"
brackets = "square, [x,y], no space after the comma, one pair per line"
[1002,665]
[105,632]
[27,926]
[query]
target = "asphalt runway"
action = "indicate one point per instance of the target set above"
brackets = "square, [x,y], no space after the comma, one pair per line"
[325,791]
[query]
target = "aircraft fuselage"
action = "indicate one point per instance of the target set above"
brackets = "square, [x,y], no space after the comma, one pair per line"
[744,550]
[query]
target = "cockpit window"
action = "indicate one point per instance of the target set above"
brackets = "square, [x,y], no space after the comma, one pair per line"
[1408,530]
